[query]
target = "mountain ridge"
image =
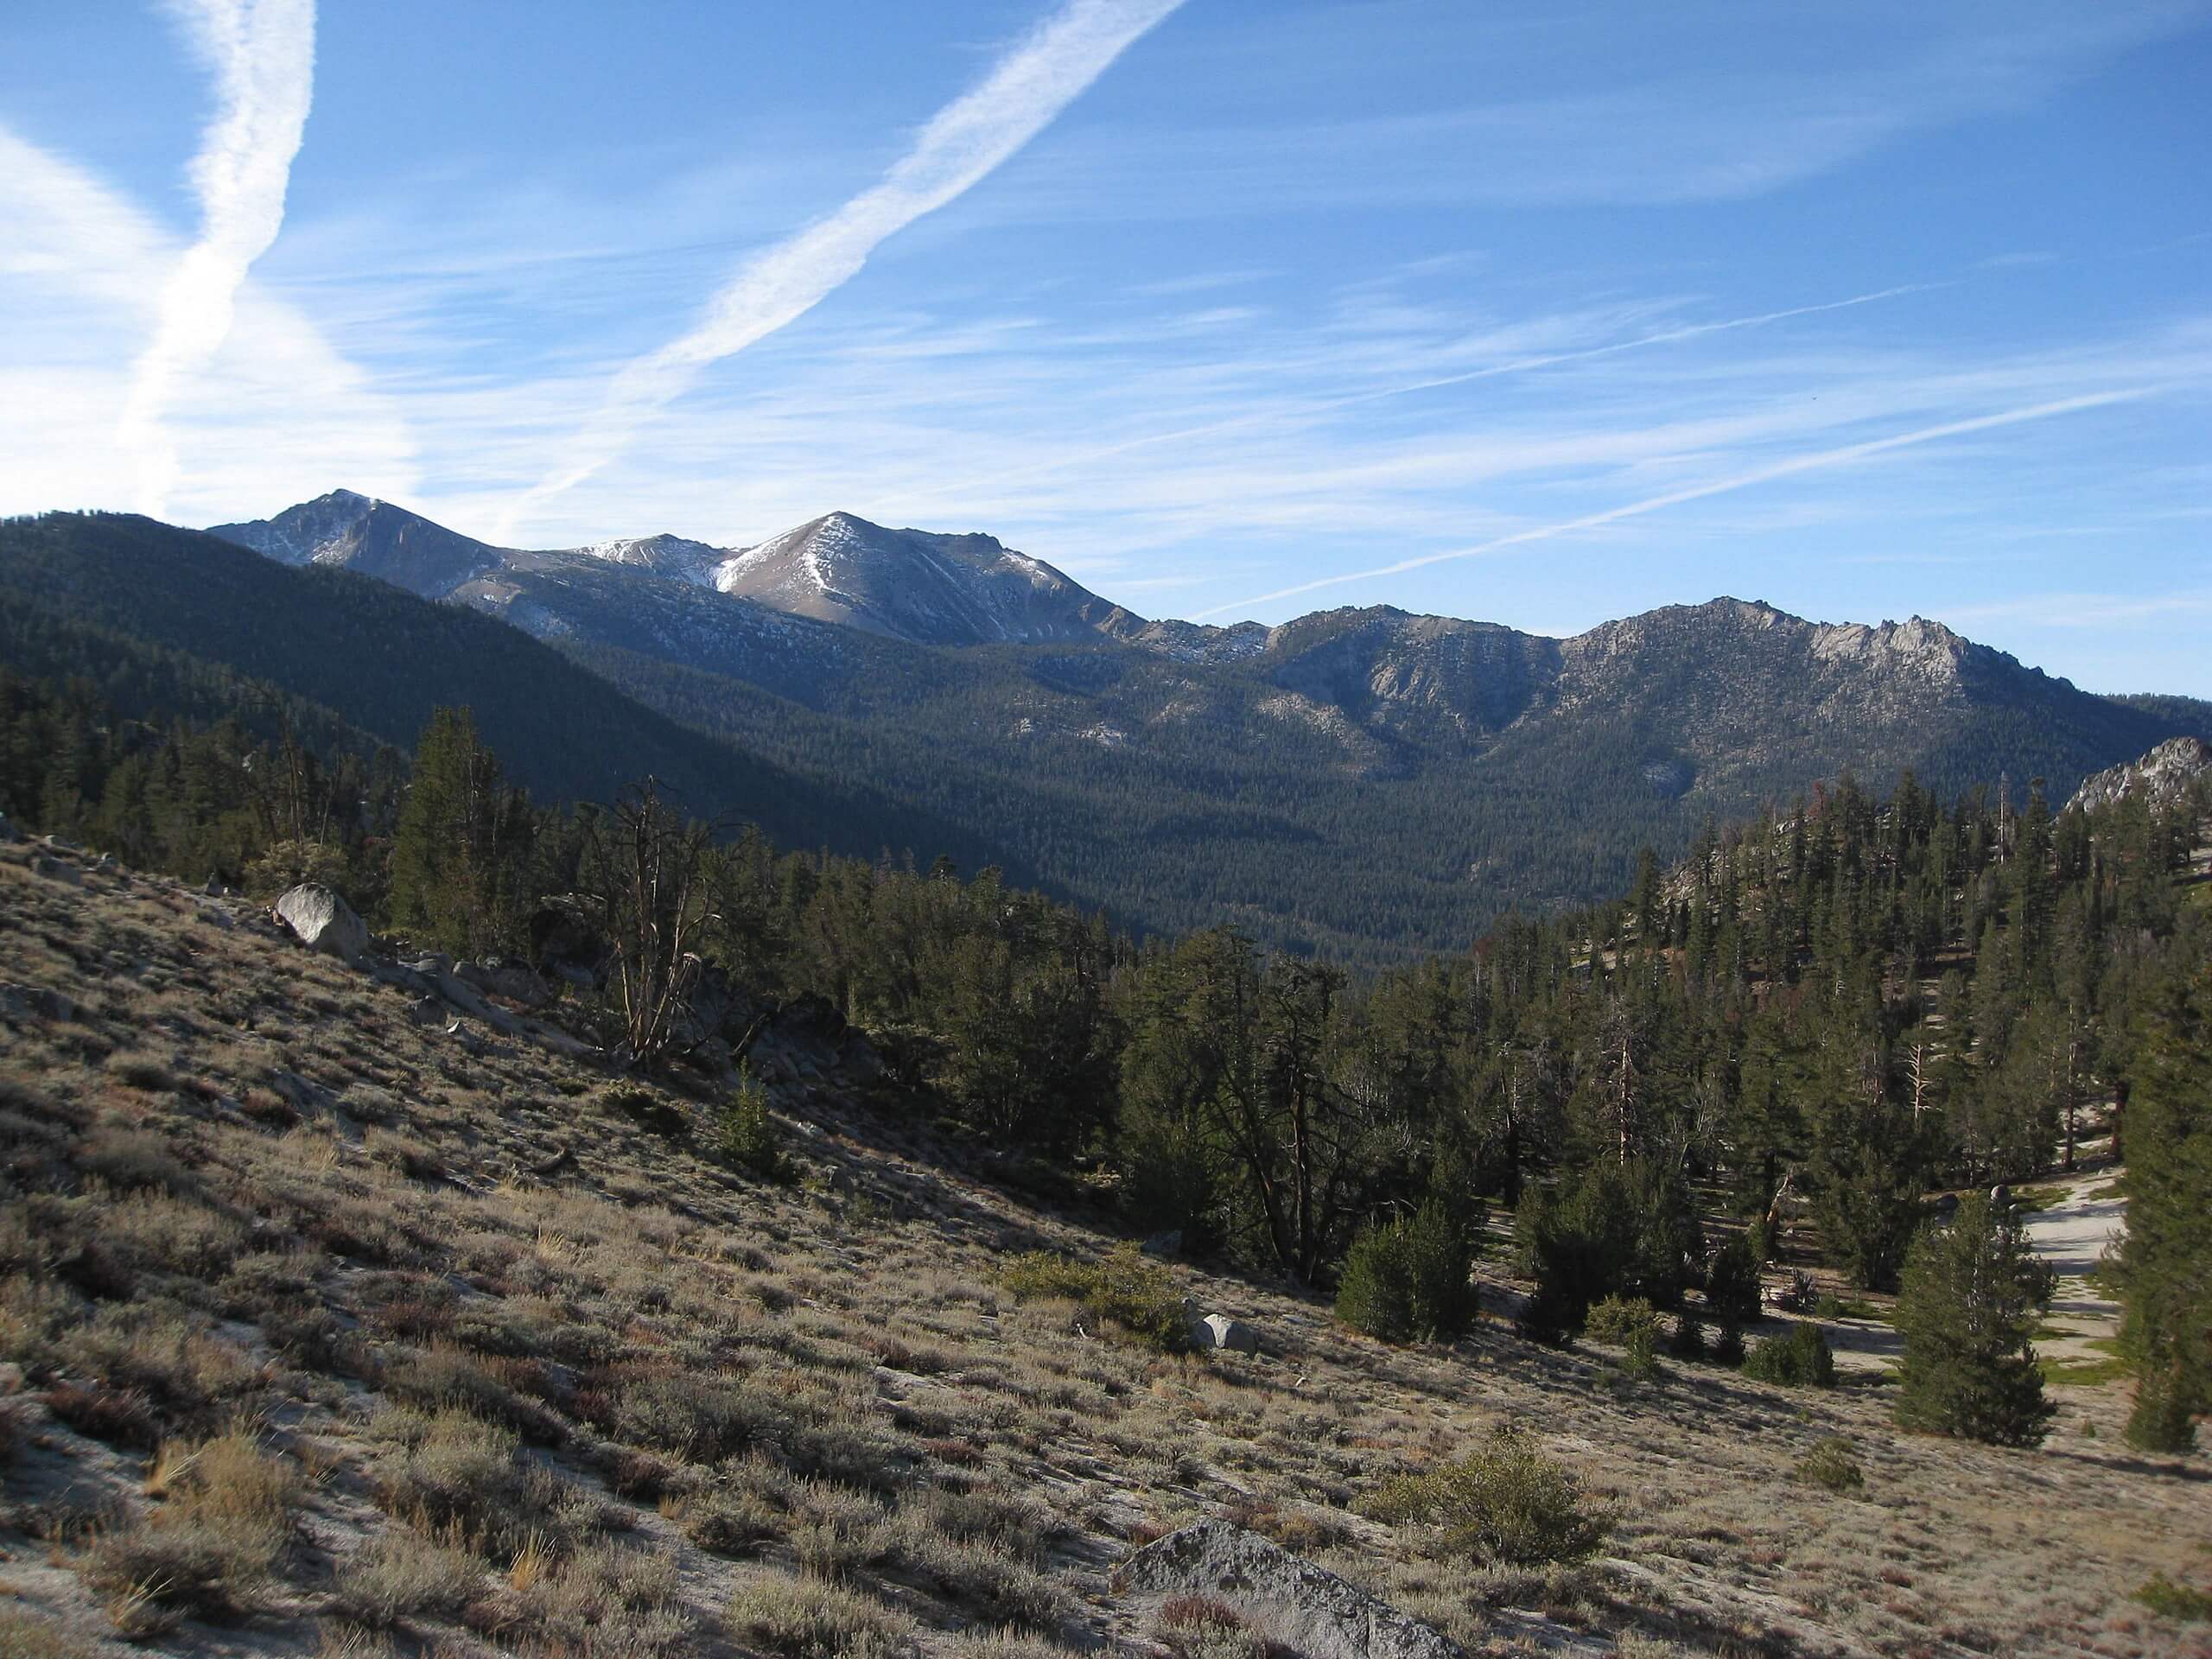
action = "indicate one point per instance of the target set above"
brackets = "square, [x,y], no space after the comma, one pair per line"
[832,569]
[1359,783]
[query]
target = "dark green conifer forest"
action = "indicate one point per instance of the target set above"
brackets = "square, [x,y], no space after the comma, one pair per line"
[1853,998]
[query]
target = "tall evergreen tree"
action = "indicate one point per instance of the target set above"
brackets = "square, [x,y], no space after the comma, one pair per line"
[2167,1258]
[1971,1292]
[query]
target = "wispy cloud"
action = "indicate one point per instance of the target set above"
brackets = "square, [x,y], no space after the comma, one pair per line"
[1437,383]
[2080,610]
[1819,460]
[277,413]
[262,55]
[958,148]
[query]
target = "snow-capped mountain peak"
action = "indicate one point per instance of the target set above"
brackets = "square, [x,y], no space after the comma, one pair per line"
[912,584]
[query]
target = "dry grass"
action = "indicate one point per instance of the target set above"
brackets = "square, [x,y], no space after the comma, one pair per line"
[211,1546]
[644,1405]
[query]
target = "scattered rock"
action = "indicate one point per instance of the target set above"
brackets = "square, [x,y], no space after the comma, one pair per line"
[56,869]
[510,980]
[56,844]
[324,922]
[1289,1601]
[426,1011]
[1219,1331]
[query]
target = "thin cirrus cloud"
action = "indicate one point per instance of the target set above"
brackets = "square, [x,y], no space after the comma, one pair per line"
[262,55]
[1437,382]
[1818,460]
[960,145]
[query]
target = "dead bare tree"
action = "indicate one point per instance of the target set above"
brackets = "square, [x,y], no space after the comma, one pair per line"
[648,863]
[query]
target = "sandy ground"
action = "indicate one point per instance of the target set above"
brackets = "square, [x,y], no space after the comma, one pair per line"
[2071,1235]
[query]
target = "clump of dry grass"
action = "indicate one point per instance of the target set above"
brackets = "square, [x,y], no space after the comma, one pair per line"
[403,1573]
[447,1375]
[1200,1627]
[456,1478]
[732,1523]
[696,1419]
[25,1635]
[806,1618]
[604,1602]
[209,1549]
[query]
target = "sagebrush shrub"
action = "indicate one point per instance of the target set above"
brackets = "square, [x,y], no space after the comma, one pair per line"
[1124,1289]
[1507,1502]
[1832,1463]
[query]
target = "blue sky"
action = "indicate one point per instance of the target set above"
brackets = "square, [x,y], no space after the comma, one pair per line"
[1539,313]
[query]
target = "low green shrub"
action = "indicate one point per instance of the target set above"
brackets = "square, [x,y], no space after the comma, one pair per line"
[1506,1502]
[1125,1290]
[746,1135]
[1640,1355]
[2177,1601]
[1797,1359]
[1616,1320]
[1406,1281]
[1832,1463]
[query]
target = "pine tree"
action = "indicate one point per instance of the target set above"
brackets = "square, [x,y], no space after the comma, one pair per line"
[1971,1296]
[2167,1258]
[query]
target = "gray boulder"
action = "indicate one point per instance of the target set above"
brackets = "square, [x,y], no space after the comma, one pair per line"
[1168,1245]
[324,922]
[1288,1601]
[511,980]
[1219,1331]
[56,869]
[9,834]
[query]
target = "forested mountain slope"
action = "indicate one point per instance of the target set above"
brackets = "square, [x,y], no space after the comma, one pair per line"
[168,621]
[1360,783]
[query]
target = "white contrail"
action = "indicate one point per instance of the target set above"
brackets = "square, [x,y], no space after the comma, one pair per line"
[1817,461]
[960,145]
[263,54]
[1515,366]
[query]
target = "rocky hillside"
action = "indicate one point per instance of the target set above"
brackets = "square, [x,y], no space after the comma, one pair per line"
[335,1324]
[2161,777]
